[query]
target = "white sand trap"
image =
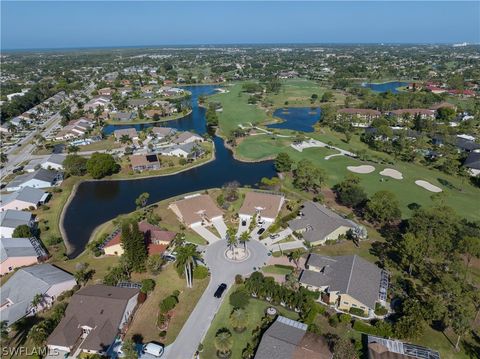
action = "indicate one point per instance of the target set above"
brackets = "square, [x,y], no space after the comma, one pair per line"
[390,172]
[361,169]
[428,186]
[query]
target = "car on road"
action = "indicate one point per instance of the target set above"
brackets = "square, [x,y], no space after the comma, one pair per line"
[273,236]
[153,348]
[18,169]
[244,223]
[260,231]
[221,288]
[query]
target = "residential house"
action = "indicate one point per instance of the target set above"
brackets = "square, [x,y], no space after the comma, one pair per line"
[156,240]
[25,198]
[41,178]
[382,348]
[346,282]
[19,252]
[33,165]
[54,162]
[362,117]
[11,219]
[265,206]
[107,91]
[18,292]
[162,132]
[443,105]
[318,224]
[472,163]
[102,101]
[130,132]
[123,116]
[196,210]
[186,150]
[138,103]
[142,163]
[289,339]
[96,315]
[74,129]
[422,112]
[187,137]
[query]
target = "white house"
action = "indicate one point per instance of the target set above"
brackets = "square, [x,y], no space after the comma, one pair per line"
[11,219]
[23,199]
[54,162]
[41,178]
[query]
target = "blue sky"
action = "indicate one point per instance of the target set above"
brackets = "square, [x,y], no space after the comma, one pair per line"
[90,24]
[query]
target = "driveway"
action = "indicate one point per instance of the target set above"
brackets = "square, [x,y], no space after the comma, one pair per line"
[281,236]
[222,271]
[206,234]
[287,246]
[220,226]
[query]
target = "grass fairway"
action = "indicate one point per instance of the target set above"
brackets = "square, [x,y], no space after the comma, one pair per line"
[299,91]
[458,194]
[236,110]
[255,309]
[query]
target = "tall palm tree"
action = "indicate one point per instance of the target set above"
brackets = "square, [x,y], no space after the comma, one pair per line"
[244,238]
[295,256]
[187,257]
[239,319]
[125,139]
[37,300]
[223,341]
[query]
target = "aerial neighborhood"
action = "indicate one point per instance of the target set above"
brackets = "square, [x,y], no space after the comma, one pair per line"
[277,201]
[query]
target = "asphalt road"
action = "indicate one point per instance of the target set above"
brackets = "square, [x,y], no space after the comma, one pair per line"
[222,271]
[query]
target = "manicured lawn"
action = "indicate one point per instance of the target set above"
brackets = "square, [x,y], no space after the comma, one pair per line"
[145,320]
[101,265]
[275,269]
[461,195]
[255,310]
[106,144]
[236,110]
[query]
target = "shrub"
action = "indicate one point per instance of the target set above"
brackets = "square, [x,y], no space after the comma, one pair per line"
[380,309]
[168,303]
[53,240]
[162,334]
[148,285]
[362,327]
[344,318]
[239,299]
[238,279]
[200,272]
[333,320]
[357,311]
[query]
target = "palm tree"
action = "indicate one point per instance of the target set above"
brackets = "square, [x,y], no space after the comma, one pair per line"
[231,240]
[295,256]
[223,341]
[39,333]
[239,319]
[37,300]
[187,257]
[3,157]
[4,329]
[244,238]
[125,139]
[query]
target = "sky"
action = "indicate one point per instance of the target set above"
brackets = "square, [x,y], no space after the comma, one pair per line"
[71,24]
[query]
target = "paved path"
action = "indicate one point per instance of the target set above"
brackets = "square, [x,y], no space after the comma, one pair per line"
[206,234]
[222,271]
[287,246]
[220,226]
[281,236]
[316,143]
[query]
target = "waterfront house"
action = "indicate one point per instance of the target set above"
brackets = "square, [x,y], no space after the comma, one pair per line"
[25,198]
[186,150]
[19,252]
[11,219]
[18,292]
[318,224]
[123,116]
[162,132]
[382,348]
[54,162]
[142,163]
[346,282]
[130,132]
[196,210]
[289,339]
[265,206]
[41,178]
[187,137]
[96,315]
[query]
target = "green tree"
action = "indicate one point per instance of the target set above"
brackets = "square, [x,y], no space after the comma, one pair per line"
[283,162]
[470,247]
[129,350]
[22,231]
[239,319]
[223,341]
[308,177]
[83,275]
[349,192]
[383,208]
[239,299]
[187,257]
[344,349]
[155,263]
[148,285]
[3,330]
[142,200]
[101,165]
[244,238]
[75,165]
[411,251]
[133,243]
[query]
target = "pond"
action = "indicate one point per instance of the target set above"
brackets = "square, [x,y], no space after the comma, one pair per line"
[96,202]
[297,118]
[386,86]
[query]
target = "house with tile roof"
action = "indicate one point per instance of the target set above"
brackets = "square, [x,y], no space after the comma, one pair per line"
[346,282]
[18,292]
[265,206]
[289,339]
[95,316]
[196,210]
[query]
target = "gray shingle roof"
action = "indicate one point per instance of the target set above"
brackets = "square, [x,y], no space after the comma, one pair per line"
[26,194]
[56,158]
[473,161]
[22,287]
[40,174]
[319,222]
[12,218]
[346,274]
[16,247]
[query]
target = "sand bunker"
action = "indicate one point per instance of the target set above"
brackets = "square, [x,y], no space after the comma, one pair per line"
[428,186]
[390,172]
[361,169]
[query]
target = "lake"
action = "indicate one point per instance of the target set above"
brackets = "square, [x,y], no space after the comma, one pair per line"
[386,86]
[99,201]
[297,118]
